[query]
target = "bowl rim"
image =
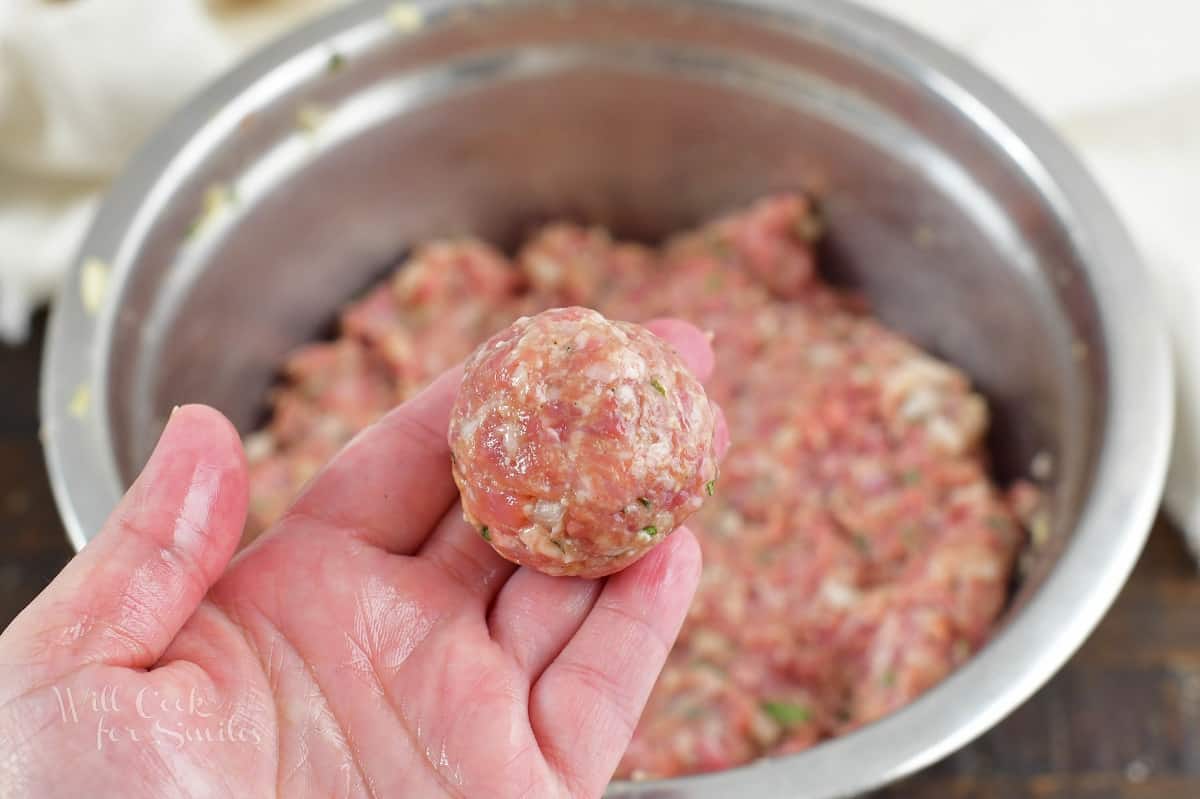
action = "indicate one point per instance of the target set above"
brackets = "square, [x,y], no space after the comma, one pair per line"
[1115,516]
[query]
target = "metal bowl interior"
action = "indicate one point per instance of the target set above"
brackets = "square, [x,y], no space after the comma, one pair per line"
[962,218]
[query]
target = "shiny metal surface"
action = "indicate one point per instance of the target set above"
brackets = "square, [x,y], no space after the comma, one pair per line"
[966,222]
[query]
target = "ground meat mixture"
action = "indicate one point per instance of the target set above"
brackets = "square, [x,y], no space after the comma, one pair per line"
[855,551]
[578,443]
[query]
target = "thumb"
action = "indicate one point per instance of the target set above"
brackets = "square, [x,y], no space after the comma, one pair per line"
[125,596]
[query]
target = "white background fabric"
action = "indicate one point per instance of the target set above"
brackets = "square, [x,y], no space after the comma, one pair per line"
[83,82]
[1120,79]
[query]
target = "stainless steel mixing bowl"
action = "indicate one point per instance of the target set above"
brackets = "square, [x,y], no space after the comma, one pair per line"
[966,222]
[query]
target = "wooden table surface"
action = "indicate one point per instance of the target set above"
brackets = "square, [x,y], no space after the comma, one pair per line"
[1121,720]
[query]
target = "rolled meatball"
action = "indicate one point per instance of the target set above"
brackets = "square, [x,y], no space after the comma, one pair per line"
[579,443]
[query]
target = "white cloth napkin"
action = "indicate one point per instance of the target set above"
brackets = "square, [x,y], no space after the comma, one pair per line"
[82,83]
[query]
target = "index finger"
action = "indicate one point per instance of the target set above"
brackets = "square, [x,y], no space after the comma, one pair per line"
[689,341]
[586,703]
[391,484]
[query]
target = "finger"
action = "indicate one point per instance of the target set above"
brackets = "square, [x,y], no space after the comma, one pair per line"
[124,597]
[535,615]
[721,438]
[689,341]
[695,349]
[458,550]
[392,483]
[585,705]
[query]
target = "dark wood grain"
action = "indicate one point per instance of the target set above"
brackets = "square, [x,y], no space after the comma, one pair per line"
[33,545]
[1121,721]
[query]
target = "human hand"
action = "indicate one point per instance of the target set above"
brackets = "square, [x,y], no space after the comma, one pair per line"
[369,644]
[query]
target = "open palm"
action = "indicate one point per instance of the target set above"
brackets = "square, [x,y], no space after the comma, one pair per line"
[370,644]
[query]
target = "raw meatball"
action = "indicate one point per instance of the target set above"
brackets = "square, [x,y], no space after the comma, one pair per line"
[579,443]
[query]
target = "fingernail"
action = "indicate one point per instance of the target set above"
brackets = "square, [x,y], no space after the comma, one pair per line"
[192,485]
[195,516]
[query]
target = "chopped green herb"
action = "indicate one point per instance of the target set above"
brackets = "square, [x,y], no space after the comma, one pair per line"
[217,199]
[710,487]
[720,247]
[923,236]
[810,228]
[336,62]
[644,502]
[714,282]
[405,17]
[861,543]
[310,117]
[650,530]
[911,477]
[80,401]
[997,523]
[787,713]
[708,665]
[694,712]
[483,531]
[889,678]
[1039,528]
[658,386]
